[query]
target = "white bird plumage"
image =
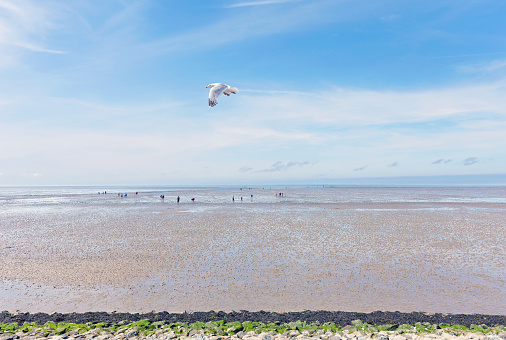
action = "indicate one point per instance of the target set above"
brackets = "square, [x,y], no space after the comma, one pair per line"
[217,89]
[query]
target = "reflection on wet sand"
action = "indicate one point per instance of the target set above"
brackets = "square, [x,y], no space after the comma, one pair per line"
[414,255]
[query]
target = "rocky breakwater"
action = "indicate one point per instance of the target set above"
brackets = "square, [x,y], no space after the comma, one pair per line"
[247,330]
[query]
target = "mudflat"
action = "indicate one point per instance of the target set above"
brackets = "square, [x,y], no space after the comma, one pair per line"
[360,256]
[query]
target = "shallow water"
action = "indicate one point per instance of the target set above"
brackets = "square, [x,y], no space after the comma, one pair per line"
[344,248]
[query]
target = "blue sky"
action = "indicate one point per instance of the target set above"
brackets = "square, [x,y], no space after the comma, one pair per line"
[113,92]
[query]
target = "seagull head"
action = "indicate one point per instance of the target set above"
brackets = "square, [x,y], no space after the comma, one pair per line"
[212,85]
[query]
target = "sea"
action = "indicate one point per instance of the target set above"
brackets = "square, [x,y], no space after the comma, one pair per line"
[279,248]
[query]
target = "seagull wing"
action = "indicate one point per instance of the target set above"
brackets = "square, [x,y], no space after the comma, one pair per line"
[215,93]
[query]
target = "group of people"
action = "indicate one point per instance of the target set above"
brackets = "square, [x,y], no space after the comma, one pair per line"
[123,195]
[178,199]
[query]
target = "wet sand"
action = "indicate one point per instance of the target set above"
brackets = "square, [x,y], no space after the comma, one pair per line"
[431,257]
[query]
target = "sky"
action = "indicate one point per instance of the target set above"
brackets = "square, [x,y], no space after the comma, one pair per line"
[97,92]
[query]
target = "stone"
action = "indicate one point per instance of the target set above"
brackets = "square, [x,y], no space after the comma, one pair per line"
[398,337]
[280,337]
[383,336]
[170,335]
[131,333]
[336,337]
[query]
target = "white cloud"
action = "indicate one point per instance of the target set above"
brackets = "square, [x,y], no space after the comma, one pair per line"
[356,107]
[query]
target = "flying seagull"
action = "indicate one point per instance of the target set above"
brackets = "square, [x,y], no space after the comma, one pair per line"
[217,89]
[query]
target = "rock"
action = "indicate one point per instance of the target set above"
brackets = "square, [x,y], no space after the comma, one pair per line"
[131,333]
[383,336]
[398,337]
[266,337]
[493,337]
[336,337]
[170,335]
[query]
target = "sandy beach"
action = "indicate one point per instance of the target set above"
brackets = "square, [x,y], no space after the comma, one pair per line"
[284,256]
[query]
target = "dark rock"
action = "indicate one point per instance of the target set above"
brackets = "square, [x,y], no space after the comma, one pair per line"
[340,318]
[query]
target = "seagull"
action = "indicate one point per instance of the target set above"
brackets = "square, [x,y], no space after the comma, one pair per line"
[217,89]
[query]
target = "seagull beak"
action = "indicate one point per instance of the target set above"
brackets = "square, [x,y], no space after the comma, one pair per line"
[207,86]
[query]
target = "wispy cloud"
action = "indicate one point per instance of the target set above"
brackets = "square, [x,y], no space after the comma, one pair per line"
[361,168]
[23,24]
[283,166]
[246,25]
[393,165]
[361,107]
[484,67]
[259,3]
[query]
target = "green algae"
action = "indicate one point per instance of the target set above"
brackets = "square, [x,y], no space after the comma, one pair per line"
[220,327]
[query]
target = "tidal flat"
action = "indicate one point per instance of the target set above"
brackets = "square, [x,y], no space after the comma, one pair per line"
[438,250]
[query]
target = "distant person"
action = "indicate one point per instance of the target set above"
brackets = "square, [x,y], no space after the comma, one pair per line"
[193,199]
[233,198]
[178,198]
